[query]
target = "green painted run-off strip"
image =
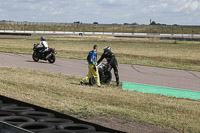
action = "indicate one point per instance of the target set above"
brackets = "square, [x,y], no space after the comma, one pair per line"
[161,90]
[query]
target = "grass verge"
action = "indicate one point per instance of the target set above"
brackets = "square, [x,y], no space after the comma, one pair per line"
[63,93]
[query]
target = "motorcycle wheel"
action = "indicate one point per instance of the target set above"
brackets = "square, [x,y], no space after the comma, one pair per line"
[92,81]
[35,57]
[108,78]
[52,59]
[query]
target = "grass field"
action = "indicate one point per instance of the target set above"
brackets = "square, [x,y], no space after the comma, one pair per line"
[65,95]
[105,28]
[150,52]
[62,93]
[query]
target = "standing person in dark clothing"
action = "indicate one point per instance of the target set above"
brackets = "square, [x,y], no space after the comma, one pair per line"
[112,62]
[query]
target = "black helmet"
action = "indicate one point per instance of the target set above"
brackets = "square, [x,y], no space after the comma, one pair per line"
[106,49]
[42,38]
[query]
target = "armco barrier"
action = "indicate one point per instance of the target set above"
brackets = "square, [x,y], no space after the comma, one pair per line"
[12,129]
[14,33]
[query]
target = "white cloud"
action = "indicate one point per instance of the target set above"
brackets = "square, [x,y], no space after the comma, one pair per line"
[188,6]
[163,5]
[111,1]
[194,5]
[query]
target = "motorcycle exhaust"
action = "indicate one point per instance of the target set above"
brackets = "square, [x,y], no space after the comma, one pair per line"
[48,56]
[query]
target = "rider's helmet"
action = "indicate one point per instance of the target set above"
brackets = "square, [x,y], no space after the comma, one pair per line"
[106,49]
[42,38]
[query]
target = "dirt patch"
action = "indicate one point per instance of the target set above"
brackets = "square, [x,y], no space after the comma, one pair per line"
[130,127]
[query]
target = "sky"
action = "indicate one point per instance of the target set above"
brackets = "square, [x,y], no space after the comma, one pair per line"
[183,12]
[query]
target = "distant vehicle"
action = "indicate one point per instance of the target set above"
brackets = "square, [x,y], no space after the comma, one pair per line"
[104,75]
[49,55]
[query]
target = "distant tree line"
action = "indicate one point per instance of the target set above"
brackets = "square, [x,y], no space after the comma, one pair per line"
[78,22]
[155,23]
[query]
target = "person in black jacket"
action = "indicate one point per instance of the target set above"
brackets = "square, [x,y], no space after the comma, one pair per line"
[112,62]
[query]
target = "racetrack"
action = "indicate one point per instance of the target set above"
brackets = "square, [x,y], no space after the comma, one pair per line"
[180,79]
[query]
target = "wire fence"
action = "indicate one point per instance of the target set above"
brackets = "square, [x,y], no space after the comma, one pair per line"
[113,28]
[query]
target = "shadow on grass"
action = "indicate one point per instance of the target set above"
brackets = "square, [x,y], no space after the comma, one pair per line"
[86,84]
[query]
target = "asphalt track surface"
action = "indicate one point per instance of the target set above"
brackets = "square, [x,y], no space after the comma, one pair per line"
[172,78]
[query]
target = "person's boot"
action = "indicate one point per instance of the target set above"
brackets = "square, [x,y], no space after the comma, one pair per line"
[117,84]
[81,83]
[100,86]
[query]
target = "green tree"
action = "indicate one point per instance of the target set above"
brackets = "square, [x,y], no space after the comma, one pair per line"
[153,23]
[77,22]
[95,23]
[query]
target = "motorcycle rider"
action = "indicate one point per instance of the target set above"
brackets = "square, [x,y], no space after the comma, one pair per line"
[92,66]
[44,44]
[112,62]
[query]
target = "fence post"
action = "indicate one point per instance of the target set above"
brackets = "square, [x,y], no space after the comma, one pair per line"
[172,31]
[192,31]
[182,32]
[64,27]
[113,29]
[83,28]
[93,29]
[78,28]
[13,27]
[133,31]
[44,28]
[149,29]
[34,27]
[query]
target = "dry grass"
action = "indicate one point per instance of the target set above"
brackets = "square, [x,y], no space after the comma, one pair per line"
[100,28]
[62,93]
[151,52]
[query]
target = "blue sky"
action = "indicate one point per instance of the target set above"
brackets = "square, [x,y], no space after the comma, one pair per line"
[185,12]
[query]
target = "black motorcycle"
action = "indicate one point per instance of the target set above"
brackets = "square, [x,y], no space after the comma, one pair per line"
[38,54]
[104,75]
